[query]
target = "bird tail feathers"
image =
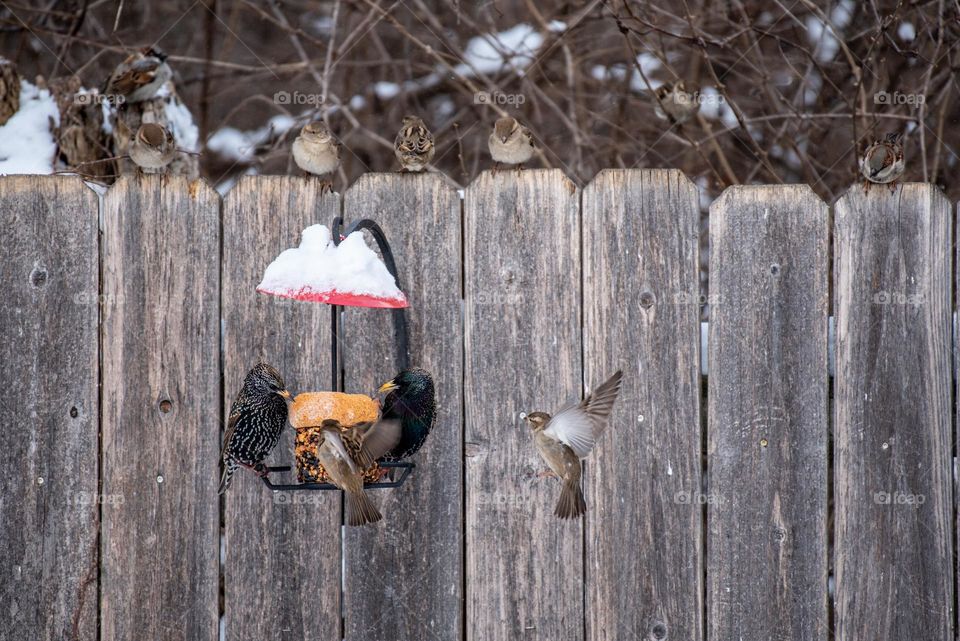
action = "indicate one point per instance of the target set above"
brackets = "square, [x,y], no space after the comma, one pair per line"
[360,509]
[229,467]
[571,504]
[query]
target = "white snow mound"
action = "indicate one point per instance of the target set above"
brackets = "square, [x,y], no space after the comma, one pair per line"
[318,268]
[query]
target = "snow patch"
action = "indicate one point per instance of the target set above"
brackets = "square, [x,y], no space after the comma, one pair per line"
[27,145]
[320,271]
[180,122]
[648,62]
[516,47]
[240,146]
[906,32]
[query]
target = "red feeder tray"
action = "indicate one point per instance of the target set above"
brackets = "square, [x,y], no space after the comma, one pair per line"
[333,297]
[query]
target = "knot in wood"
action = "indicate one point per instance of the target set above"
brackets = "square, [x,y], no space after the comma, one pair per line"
[658,631]
[38,277]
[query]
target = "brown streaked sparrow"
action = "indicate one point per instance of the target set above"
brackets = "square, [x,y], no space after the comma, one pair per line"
[414,144]
[139,76]
[882,162]
[510,142]
[562,440]
[317,152]
[153,147]
[9,90]
[346,452]
[674,104]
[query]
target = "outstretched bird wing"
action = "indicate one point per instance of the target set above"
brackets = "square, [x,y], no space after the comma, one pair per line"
[581,424]
[376,439]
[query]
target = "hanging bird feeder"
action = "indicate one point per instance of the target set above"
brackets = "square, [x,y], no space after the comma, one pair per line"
[340,271]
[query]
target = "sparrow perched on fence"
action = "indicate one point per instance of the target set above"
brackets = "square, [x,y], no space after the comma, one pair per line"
[346,452]
[510,143]
[675,104]
[139,76]
[410,398]
[882,162]
[153,147]
[414,144]
[316,151]
[564,439]
[9,90]
[257,418]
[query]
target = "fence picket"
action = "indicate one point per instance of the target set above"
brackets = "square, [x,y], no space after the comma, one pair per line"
[642,315]
[282,568]
[404,577]
[893,461]
[159,334]
[522,290]
[767,424]
[49,408]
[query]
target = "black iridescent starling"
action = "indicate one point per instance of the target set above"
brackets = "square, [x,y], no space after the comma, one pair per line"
[410,399]
[257,418]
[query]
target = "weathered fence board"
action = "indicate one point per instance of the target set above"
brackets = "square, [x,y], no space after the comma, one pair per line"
[161,411]
[404,577]
[282,567]
[522,346]
[767,415]
[49,409]
[641,314]
[893,414]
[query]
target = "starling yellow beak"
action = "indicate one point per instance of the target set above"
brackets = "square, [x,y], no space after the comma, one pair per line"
[284,393]
[389,386]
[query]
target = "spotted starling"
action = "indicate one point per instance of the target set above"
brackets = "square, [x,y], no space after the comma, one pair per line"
[410,398]
[564,439]
[257,417]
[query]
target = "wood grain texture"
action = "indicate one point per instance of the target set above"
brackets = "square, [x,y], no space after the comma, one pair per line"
[160,335]
[893,414]
[767,426]
[404,576]
[644,560]
[49,408]
[282,568]
[522,328]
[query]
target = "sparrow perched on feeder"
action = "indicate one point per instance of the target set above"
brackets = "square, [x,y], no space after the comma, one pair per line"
[346,452]
[882,162]
[414,144]
[316,151]
[153,147]
[675,104]
[562,440]
[510,143]
[257,418]
[410,399]
[139,76]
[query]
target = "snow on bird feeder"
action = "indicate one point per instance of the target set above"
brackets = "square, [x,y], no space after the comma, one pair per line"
[323,271]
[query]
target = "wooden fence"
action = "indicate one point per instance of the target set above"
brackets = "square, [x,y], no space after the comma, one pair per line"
[128,322]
